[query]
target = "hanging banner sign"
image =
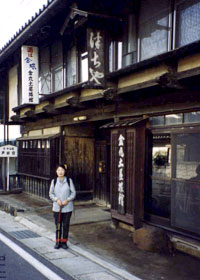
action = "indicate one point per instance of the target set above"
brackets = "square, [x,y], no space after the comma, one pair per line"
[30,72]
[121,170]
[8,151]
[96,57]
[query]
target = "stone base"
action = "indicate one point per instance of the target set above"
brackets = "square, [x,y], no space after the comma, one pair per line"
[152,239]
[12,191]
[188,246]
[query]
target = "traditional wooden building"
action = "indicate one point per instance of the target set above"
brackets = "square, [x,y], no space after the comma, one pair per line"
[119,103]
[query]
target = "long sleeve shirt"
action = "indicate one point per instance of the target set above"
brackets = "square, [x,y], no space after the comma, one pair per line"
[62,191]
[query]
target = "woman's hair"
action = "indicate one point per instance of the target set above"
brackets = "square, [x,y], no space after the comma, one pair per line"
[61,165]
[198,169]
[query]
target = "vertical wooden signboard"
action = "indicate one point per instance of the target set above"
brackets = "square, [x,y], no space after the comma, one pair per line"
[95,46]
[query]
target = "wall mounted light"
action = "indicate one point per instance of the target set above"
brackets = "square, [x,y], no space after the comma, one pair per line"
[80,118]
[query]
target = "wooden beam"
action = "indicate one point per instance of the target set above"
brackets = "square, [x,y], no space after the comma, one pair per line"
[110,94]
[50,109]
[139,86]
[31,115]
[86,13]
[189,73]
[17,119]
[169,80]
[74,102]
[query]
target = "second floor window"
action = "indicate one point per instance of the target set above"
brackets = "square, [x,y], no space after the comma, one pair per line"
[130,42]
[51,68]
[71,66]
[77,60]
[115,55]
[84,66]
[45,72]
[82,57]
[187,22]
[154,27]
[57,66]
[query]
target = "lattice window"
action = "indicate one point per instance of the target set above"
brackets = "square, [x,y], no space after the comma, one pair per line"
[187,22]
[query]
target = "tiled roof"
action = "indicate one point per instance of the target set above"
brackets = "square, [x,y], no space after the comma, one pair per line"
[26,25]
[122,123]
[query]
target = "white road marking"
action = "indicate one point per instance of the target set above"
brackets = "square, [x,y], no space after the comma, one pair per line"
[30,259]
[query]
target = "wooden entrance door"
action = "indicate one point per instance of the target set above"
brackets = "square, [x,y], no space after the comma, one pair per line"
[102,171]
[55,155]
[79,156]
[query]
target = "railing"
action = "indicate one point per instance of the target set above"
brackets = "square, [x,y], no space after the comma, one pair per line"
[38,186]
[13,182]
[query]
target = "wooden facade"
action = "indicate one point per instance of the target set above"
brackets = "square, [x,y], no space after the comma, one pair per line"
[119,104]
[102,172]
[37,160]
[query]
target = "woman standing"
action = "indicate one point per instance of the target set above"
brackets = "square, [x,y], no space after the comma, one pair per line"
[62,193]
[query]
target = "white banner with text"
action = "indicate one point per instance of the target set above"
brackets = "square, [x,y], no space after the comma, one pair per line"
[30,72]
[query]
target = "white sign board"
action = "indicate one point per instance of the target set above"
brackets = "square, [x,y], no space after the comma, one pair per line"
[30,72]
[8,151]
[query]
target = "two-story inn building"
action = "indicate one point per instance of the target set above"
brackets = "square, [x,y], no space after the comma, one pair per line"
[111,88]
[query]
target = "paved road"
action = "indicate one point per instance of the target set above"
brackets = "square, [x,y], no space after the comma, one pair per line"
[17,263]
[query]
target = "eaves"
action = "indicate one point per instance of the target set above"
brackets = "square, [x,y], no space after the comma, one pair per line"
[54,95]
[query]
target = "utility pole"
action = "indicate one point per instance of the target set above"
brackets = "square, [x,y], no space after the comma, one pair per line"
[4,160]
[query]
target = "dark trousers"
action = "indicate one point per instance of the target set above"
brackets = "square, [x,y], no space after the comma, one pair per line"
[62,221]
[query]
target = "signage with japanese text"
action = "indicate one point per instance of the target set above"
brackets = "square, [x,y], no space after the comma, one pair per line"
[121,170]
[96,56]
[8,151]
[30,72]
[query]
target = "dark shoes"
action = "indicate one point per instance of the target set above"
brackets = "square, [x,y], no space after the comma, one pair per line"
[63,245]
[57,246]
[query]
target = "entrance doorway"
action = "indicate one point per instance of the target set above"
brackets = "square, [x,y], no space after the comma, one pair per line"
[102,171]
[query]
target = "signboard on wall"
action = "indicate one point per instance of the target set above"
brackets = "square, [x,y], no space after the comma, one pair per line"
[121,173]
[30,72]
[96,56]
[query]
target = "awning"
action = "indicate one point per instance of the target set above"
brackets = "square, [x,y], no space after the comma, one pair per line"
[123,123]
[38,137]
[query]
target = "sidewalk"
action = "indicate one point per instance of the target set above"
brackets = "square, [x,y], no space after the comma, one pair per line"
[96,250]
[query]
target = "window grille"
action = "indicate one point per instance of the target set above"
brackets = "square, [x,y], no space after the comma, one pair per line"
[187,22]
[154,28]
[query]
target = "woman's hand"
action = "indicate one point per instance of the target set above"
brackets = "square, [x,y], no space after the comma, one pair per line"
[59,202]
[65,202]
